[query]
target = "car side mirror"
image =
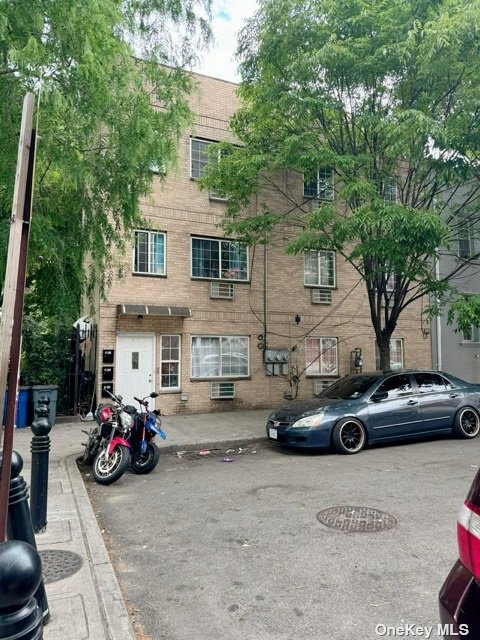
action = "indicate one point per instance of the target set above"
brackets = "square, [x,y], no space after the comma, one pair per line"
[154,394]
[379,395]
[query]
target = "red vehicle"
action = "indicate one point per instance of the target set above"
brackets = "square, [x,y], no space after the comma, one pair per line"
[459,597]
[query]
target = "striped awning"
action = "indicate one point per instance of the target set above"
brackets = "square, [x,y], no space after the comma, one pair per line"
[152,310]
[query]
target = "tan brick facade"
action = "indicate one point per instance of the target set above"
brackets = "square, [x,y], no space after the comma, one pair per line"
[179,209]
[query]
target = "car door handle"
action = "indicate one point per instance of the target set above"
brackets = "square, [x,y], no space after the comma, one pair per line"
[411,402]
[453,395]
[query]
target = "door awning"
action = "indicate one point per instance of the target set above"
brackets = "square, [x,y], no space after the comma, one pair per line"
[152,310]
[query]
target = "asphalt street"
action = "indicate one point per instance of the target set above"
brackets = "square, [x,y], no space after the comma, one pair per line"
[208,549]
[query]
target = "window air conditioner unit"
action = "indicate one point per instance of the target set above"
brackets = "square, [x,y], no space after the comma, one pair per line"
[216,195]
[222,390]
[321,296]
[225,290]
[321,385]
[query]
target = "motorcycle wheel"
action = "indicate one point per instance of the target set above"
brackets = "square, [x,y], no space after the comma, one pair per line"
[144,463]
[91,448]
[107,469]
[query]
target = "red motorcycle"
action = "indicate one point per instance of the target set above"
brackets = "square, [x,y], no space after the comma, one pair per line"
[113,452]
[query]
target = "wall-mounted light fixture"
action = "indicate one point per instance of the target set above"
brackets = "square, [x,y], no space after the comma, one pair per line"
[298,319]
[425,331]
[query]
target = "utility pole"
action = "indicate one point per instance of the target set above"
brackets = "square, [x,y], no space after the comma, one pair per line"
[14,290]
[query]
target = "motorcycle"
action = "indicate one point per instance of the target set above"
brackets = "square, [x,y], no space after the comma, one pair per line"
[113,449]
[103,413]
[147,424]
[123,426]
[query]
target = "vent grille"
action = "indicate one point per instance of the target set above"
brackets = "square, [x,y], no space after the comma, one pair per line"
[321,385]
[321,296]
[225,290]
[222,390]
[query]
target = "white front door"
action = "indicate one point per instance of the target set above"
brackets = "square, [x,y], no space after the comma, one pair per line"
[135,365]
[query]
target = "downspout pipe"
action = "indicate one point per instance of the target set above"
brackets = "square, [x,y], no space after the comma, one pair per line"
[438,320]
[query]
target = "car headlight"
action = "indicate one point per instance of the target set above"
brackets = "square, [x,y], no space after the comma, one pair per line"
[310,422]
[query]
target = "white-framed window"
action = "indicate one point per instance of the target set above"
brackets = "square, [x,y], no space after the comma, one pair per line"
[200,156]
[321,356]
[169,361]
[217,259]
[389,191]
[320,186]
[220,357]
[149,252]
[319,269]
[472,334]
[199,159]
[396,354]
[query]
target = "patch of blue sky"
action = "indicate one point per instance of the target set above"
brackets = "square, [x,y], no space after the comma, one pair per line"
[222,14]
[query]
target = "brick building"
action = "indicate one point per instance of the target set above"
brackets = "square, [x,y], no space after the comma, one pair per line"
[215,326]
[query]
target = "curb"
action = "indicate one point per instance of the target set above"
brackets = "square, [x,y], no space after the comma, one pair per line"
[113,610]
[217,444]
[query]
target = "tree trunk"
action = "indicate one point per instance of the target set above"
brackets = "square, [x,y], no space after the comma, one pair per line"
[384,349]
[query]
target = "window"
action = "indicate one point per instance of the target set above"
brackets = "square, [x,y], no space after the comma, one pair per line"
[396,386]
[321,356]
[389,191]
[319,268]
[199,157]
[430,382]
[149,252]
[472,334]
[466,241]
[170,361]
[220,356]
[321,186]
[396,354]
[219,259]
[390,283]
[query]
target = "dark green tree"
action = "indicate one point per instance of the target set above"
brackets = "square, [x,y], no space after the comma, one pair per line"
[385,95]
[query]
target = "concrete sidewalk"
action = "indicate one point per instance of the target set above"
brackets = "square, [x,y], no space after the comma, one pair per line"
[88,604]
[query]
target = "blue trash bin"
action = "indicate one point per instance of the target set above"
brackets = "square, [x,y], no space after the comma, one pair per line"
[21,417]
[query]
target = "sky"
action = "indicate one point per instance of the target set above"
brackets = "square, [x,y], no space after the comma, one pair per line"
[228,19]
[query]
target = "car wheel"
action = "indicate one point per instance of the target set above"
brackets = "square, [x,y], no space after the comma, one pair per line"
[349,436]
[466,423]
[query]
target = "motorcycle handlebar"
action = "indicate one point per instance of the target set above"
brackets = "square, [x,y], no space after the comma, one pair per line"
[116,398]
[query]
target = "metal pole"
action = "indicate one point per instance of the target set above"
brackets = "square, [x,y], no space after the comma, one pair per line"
[20,575]
[77,367]
[40,448]
[20,523]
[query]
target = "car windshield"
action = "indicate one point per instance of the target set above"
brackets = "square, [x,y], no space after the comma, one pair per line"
[349,388]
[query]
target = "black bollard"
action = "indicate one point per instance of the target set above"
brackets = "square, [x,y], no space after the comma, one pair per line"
[20,575]
[20,522]
[40,448]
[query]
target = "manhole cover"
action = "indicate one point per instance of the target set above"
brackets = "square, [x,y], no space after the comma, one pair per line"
[58,564]
[356,519]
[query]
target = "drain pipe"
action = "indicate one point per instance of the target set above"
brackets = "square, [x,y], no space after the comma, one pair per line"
[438,320]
